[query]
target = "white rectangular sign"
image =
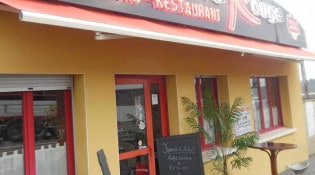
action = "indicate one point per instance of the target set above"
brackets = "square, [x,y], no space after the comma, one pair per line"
[243,125]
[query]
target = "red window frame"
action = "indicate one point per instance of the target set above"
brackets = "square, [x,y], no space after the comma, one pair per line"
[273,89]
[29,138]
[199,90]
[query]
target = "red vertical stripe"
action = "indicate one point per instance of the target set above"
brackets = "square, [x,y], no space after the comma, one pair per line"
[269,94]
[163,105]
[28,134]
[69,134]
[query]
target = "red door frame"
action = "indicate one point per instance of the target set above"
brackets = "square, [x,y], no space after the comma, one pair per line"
[146,81]
[29,138]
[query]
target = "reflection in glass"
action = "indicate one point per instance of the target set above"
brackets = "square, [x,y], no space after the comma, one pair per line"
[274,101]
[131,117]
[49,132]
[156,110]
[265,103]
[11,134]
[255,101]
[50,138]
[131,123]
[134,166]
[207,84]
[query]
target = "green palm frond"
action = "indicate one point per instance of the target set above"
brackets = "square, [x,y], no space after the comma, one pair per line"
[190,107]
[193,118]
[243,141]
[241,162]
[209,105]
[222,118]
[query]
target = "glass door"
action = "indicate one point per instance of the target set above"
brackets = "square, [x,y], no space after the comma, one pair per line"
[141,117]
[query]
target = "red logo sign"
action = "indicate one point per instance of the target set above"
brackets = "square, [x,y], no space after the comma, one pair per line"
[293,27]
[238,7]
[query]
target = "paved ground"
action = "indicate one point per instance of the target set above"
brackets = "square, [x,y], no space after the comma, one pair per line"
[309,171]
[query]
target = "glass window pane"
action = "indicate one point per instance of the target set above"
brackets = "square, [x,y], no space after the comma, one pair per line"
[156,110]
[274,101]
[255,101]
[204,85]
[131,119]
[265,102]
[11,134]
[134,166]
[50,136]
[208,84]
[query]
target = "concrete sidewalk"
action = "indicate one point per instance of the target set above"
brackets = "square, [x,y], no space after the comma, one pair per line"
[309,171]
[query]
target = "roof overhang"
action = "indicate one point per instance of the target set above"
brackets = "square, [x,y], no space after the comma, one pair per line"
[64,15]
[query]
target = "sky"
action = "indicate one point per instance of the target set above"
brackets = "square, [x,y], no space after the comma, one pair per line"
[301,9]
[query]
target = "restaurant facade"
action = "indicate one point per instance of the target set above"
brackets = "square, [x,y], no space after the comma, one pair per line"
[80,76]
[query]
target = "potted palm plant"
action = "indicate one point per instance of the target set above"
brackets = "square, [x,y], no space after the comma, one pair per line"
[231,149]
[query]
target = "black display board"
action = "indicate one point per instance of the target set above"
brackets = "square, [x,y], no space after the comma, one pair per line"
[180,155]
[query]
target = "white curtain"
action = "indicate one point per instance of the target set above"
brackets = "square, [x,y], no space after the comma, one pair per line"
[50,160]
[11,163]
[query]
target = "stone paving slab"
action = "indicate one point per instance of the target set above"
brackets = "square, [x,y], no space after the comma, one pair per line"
[309,171]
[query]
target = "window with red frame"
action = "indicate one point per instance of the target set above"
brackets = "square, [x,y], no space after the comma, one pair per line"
[36,133]
[266,103]
[201,85]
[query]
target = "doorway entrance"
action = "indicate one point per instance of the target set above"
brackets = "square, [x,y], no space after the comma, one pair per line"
[141,117]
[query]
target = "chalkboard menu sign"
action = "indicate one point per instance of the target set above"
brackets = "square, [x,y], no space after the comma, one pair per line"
[180,155]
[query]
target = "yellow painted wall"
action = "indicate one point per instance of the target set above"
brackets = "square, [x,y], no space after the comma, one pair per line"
[27,48]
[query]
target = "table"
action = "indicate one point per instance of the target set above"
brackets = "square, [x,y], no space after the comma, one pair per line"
[272,149]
